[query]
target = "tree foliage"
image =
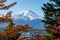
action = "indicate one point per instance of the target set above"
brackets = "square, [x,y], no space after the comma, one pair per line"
[12,31]
[52,17]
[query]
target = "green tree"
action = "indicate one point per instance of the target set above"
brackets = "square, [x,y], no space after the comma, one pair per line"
[52,17]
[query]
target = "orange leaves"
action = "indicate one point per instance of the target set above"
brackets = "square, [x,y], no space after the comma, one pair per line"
[4,7]
[3,1]
[22,28]
[25,27]
[10,29]
[13,30]
[6,18]
[1,19]
[11,5]
[58,27]
[22,38]
[3,35]
[1,4]
[40,37]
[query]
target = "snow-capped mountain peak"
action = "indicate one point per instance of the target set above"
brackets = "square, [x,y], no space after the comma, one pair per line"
[27,14]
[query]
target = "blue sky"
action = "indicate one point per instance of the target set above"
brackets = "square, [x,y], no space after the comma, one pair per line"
[34,5]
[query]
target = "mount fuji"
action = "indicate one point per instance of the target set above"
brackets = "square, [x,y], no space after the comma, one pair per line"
[26,14]
[28,17]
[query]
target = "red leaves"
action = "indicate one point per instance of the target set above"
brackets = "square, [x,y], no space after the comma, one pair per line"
[58,17]
[57,39]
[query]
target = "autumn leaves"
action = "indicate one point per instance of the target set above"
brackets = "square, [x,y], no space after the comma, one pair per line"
[10,29]
[13,30]
[3,6]
[6,18]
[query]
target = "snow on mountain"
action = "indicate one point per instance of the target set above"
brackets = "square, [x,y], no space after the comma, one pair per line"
[28,17]
[26,14]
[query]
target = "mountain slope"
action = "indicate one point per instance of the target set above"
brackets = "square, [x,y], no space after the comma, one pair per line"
[26,14]
[28,17]
[32,23]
